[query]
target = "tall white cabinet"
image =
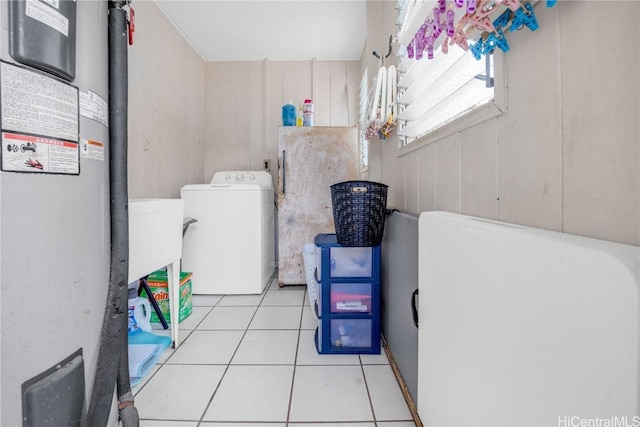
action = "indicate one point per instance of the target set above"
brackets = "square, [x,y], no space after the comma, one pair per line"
[310,160]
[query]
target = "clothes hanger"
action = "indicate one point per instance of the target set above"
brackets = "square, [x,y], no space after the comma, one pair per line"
[377,55]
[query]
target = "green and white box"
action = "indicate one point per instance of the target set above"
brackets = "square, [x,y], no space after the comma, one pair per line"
[158,284]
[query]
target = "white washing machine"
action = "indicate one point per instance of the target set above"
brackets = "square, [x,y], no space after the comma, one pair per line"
[230,249]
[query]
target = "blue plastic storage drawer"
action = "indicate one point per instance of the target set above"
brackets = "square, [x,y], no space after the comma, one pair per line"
[347,298]
[335,261]
[349,336]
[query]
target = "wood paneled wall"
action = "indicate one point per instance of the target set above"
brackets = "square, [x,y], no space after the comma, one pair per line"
[566,154]
[244,106]
[189,119]
[166,108]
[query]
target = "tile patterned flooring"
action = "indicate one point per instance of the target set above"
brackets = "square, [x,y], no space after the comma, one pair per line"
[250,361]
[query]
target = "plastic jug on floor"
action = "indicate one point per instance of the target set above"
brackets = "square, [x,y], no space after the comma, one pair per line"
[139,314]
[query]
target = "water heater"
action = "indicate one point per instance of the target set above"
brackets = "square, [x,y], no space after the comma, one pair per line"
[54,225]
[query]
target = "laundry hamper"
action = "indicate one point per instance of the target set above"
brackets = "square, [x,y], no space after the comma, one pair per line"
[310,265]
[359,212]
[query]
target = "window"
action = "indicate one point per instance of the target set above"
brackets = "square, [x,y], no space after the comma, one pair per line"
[435,92]
[438,91]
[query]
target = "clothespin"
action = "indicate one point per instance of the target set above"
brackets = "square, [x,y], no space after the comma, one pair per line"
[445,46]
[514,5]
[480,18]
[471,7]
[442,6]
[524,17]
[485,8]
[450,16]
[410,48]
[551,3]
[460,39]
[503,20]
[432,28]
[437,25]
[477,48]
[494,40]
[481,23]
[429,47]
[419,41]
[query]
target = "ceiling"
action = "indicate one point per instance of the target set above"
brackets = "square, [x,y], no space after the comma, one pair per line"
[286,30]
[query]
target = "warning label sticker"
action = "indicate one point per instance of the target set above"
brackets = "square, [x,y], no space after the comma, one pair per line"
[90,149]
[25,153]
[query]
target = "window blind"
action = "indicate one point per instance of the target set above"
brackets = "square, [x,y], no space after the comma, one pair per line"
[434,92]
[450,39]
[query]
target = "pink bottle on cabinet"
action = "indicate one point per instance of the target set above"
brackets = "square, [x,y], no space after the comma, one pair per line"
[307,112]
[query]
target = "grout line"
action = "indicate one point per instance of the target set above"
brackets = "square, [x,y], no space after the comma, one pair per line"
[366,386]
[288,421]
[267,288]
[171,355]
[206,408]
[295,359]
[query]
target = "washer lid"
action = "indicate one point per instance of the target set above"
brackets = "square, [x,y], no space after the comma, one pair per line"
[196,187]
[221,187]
[261,179]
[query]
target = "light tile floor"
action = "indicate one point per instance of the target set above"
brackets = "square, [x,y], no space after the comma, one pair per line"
[250,361]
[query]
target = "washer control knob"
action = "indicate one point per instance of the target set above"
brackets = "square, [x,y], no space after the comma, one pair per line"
[227,177]
[239,177]
[252,177]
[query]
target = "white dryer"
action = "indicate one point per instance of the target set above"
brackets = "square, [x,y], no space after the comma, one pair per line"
[230,249]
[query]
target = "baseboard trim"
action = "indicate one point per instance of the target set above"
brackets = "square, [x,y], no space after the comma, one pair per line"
[403,386]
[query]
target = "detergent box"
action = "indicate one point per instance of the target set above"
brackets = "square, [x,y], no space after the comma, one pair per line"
[158,284]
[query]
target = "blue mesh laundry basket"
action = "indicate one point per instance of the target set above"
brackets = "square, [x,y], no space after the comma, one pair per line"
[359,212]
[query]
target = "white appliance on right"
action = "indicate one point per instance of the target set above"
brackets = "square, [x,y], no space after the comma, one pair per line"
[520,326]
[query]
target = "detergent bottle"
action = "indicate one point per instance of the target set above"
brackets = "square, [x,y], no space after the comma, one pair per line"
[139,313]
[289,114]
[299,118]
[307,112]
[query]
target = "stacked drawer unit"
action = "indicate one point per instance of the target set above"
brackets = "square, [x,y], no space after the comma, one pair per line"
[348,304]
